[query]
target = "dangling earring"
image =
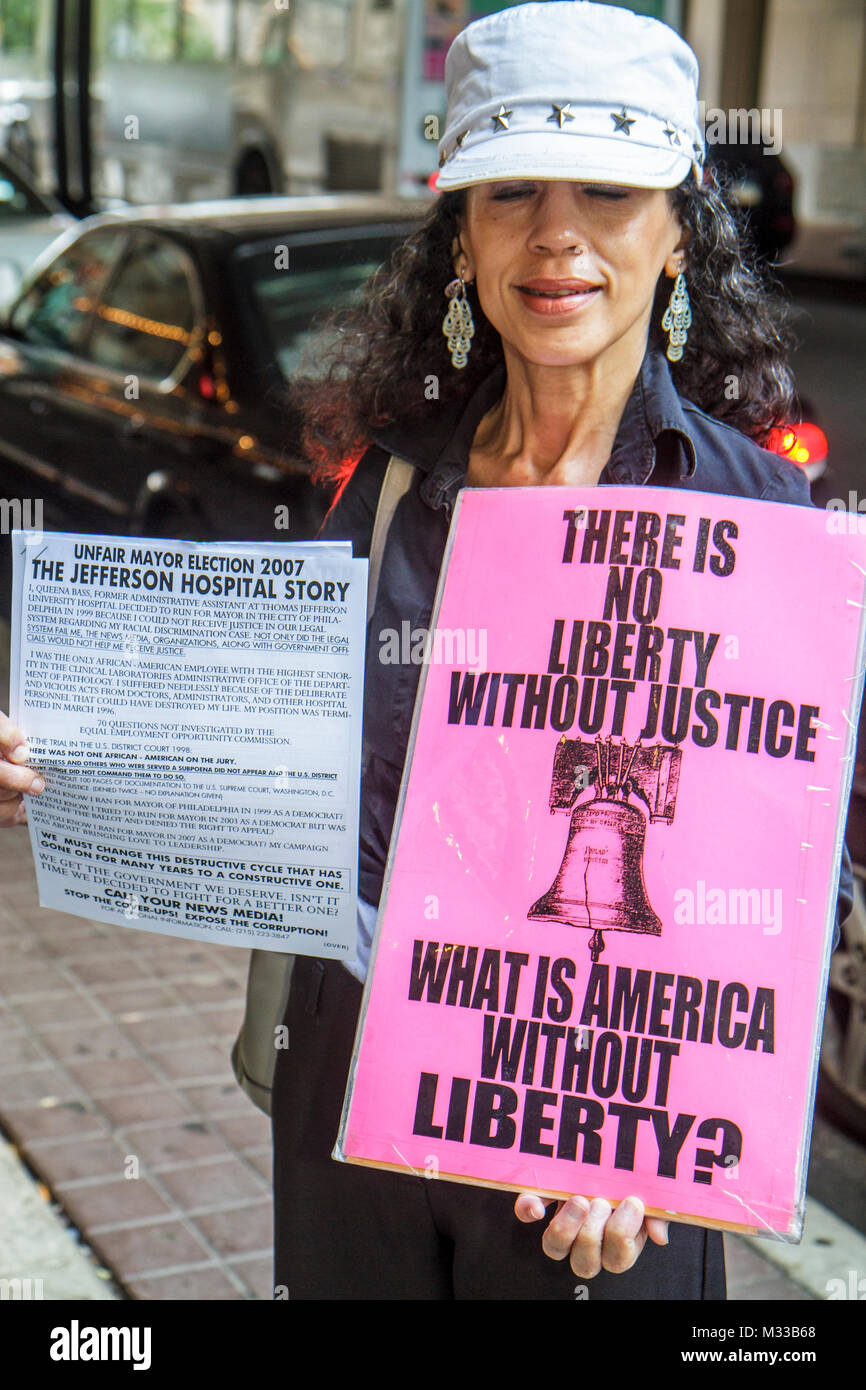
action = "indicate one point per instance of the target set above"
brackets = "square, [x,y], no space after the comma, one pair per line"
[458,325]
[677,319]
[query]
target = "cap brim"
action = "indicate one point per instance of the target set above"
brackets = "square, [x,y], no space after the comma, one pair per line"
[578,158]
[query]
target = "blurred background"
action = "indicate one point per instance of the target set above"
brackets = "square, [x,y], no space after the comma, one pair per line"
[163,163]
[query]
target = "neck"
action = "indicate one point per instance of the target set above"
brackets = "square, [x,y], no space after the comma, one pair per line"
[554,425]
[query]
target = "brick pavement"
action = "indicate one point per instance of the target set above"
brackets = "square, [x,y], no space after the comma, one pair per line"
[115,1083]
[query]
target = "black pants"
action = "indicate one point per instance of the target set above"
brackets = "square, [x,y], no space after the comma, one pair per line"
[346,1232]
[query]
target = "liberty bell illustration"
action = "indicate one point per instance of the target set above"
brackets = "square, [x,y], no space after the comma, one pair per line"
[600,884]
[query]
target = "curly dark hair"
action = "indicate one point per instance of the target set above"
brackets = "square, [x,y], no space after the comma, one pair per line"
[383,349]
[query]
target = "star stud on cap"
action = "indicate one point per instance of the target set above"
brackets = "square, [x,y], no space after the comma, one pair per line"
[622,121]
[500,120]
[561,113]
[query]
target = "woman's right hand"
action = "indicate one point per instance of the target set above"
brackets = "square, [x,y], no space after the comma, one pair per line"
[15,776]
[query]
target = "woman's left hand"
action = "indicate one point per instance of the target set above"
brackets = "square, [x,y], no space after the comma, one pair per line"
[594,1235]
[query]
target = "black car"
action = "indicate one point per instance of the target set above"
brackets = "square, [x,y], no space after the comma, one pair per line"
[143,368]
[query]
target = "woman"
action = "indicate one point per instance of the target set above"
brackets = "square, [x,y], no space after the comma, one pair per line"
[571,204]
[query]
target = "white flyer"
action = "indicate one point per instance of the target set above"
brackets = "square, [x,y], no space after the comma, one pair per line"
[195,709]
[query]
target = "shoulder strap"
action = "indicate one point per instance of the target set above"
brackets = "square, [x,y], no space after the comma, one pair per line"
[398,480]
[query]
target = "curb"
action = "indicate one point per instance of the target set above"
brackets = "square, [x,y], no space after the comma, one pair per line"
[40,1257]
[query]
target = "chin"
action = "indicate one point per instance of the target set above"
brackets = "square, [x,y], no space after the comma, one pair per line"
[574,355]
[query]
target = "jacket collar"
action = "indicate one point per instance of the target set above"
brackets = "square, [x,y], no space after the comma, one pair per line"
[441,447]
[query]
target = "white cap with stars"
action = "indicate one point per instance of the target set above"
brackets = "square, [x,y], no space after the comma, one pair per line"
[568,89]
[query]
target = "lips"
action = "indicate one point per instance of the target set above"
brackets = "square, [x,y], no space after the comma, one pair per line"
[554,289]
[556,298]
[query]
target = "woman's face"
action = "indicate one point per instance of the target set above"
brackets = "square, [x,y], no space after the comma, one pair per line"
[521,237]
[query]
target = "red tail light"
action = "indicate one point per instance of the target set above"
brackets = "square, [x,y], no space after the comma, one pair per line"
[803,444]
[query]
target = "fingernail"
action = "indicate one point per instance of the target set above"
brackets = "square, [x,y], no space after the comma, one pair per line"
[536,1208]
[37,785]
[19,754]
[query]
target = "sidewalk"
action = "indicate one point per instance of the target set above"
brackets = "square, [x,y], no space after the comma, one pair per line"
[115,1084]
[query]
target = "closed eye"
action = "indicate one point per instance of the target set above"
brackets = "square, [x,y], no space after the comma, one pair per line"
[507,194]
[512,192]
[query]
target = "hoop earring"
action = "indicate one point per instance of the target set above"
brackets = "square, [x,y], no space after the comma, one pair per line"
[458,324]
[677,319]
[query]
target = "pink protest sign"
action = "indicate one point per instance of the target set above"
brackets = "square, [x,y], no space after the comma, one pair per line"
[604,936]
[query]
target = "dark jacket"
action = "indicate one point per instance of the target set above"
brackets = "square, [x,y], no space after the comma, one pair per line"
[662,440]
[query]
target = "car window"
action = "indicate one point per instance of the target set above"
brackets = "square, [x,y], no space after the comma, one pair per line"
[291,293]
[55,311]
[145,320]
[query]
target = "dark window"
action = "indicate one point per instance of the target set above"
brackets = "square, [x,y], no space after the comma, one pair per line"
[293,287]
